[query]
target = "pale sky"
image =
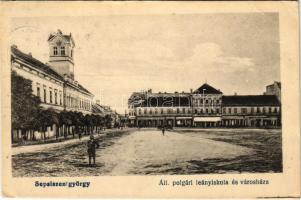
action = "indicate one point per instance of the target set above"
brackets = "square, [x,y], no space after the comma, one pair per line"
[118,55]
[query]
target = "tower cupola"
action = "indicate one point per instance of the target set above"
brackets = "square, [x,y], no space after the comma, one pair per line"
[61,53]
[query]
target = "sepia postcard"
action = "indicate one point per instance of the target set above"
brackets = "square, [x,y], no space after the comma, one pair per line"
[150,99]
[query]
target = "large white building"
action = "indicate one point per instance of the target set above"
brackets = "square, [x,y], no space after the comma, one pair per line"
[54,83]
[204,107]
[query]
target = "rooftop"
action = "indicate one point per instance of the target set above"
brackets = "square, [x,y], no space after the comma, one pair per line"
[250,100]
[207,89]
[27,58]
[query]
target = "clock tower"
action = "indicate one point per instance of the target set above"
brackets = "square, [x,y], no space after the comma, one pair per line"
[61,53]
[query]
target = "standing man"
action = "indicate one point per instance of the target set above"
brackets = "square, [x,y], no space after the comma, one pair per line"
[163,130]
[92,145]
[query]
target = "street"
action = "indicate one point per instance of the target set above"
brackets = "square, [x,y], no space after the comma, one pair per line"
[149,152]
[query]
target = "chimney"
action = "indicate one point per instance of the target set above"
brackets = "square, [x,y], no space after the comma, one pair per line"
[30,54]
[235,93]
[98,101]
[190,90]
[14,46]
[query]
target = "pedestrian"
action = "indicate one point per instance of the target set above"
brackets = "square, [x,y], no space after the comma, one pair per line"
[163,130]
[92,145]
[24,138]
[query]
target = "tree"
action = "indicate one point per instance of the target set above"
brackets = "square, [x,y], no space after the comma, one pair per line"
[108,121]
[77,121]
[65,120]
[47,118]
[24,105]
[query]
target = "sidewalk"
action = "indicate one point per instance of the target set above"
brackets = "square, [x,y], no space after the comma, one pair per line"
[42,147]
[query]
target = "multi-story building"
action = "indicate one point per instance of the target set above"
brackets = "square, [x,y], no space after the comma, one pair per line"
[106,111]
[160,109]
[54,82]
[204,107]
[251,111]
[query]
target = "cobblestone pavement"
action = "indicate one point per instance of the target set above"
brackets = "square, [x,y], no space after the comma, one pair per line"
[147,151]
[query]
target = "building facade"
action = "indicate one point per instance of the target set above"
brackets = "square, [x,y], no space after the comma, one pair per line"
[54,82]
[106,112]
[205,107]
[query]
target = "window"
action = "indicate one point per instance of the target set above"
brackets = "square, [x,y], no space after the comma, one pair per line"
[55,97]
[224,110]
[178,110]
[206,101]
[217,101]
[150,112]
[229,110]
[263,110]
[183,110]
[235,110]
[50,96]
[207,111]
[252,110]
[161,110]
[201,101]
[38,91]
[258,110]
[244,110]
[139,111]
[60,98]
[275,110]
[195,111]
[55,51]
[145,111]
[45,95]
[156,111]
[217,111]
[270,110]
[62,51]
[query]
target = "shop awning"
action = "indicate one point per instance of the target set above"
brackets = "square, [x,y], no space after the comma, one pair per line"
[183,117]
[207,119]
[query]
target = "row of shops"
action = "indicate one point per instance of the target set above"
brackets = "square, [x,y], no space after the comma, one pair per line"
[208,122]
